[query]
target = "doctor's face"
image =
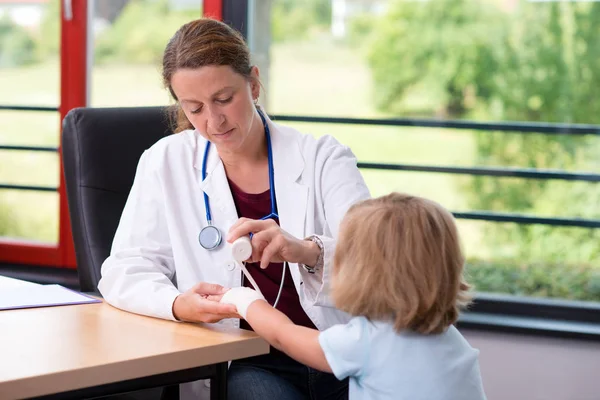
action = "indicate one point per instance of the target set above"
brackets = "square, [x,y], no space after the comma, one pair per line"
[219,103]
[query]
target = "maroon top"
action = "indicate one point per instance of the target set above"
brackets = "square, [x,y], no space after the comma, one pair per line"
[256,206]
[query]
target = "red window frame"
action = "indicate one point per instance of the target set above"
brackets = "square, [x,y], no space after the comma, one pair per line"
[213,9]
[73,93]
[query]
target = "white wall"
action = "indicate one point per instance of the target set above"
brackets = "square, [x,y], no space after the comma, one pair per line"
[516,367]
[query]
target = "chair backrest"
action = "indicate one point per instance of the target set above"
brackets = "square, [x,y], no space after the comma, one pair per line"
[101,148]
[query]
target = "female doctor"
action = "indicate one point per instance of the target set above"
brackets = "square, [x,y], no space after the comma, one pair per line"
[230,172]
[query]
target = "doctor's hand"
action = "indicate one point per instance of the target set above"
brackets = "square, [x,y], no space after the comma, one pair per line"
[201,304]
[270,243]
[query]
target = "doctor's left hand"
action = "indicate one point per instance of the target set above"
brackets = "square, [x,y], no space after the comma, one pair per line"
[201,304]
[270,243]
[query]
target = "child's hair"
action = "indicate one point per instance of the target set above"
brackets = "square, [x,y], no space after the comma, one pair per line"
[399,258]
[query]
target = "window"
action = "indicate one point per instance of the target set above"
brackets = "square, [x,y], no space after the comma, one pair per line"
[32,207]
[495,118]
[43,74]
[129,39]
[29,77]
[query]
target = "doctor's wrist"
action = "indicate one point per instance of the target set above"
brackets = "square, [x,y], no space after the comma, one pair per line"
[173,307]
[313,253]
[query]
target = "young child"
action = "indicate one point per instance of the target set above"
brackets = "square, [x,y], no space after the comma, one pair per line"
[398,270]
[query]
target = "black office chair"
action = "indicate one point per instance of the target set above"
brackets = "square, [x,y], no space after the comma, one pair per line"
[101,148]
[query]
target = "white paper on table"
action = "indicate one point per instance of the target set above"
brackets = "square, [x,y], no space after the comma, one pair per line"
[6,283]
[40,296]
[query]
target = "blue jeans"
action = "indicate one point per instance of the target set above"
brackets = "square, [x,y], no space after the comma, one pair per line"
[275,376]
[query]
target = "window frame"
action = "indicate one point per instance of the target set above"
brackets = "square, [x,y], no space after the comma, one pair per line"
[75,41]
[489,311]
[73,93]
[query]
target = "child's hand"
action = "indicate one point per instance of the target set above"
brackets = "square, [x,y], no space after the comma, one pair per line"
[241,298]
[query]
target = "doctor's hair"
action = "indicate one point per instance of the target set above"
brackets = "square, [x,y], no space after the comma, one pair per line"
[399,259]
[199,43]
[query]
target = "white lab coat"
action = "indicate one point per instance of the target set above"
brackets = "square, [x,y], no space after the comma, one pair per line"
[156,255]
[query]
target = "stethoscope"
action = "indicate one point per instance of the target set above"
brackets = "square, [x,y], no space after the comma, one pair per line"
[210,236]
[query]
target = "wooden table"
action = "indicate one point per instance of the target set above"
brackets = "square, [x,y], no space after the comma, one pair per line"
[94,349]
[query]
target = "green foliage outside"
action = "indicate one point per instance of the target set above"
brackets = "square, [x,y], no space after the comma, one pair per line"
[360,30]
[550,71]
[140,33]
[441,58]
[539,62]
[17,46]
[8,224]
[48,42]
[293,20]
[575,282]
[434,57]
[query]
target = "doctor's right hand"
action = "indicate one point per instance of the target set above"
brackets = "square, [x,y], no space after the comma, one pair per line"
[201,304]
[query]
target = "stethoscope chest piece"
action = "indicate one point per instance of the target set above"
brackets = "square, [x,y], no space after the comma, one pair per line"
[210,237]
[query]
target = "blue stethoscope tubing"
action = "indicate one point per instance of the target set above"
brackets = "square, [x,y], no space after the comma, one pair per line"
[210,236]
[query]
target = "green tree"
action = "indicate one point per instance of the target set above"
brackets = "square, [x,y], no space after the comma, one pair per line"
[293,20]
[141,32]
[16,44]
[442,50]
[539,62]
[48,41]
[550,69]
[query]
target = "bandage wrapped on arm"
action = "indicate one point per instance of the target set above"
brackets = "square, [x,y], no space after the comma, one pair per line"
[241,298]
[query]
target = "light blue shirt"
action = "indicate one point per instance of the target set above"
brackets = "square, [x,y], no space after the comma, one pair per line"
[384,364]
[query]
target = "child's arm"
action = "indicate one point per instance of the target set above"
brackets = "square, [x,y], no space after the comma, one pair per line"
[298,342]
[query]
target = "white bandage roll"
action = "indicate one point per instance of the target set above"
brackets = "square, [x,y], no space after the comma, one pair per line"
[241,249]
